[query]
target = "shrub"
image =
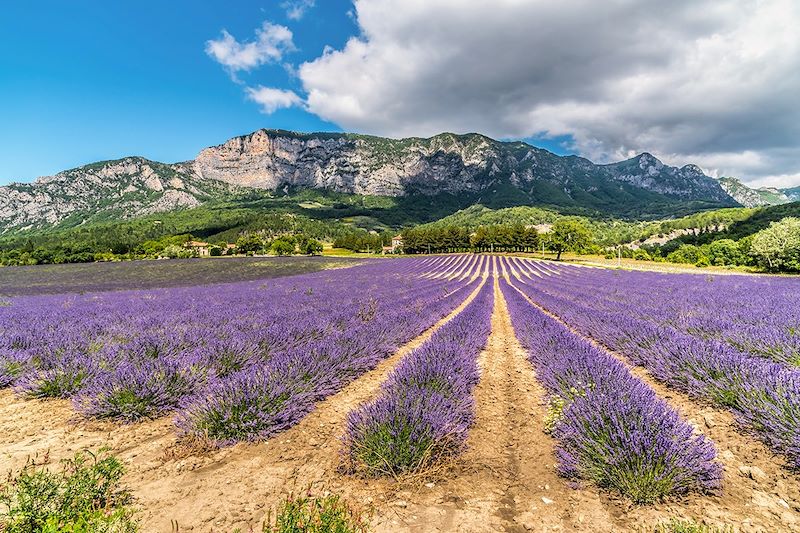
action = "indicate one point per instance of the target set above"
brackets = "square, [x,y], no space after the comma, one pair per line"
[399,435]
[140,389]
[310,514]
[245,406]
[11,368]
[62,378]
[725,252]
[84,496]
[283,246]
[688,526]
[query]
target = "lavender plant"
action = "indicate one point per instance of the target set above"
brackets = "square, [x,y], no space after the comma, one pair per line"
[134,354]
[612,428]
[763,395]
[425,407]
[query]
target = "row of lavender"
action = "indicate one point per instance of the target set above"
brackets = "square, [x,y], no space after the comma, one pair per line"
[763,395]
[610,426]
[756,315]
[240,361]
[425,408]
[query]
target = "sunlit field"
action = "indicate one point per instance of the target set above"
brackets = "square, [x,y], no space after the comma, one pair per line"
[437,392]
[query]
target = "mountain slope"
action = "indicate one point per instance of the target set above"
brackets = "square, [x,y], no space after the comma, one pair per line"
[468,168]
[124,188]
[762,196]
[496,172]
[793,194]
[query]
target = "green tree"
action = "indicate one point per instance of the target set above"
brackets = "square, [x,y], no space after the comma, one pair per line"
[250,242]
[569,235]
[777,248]
[173,251]
[725,252]
[311,247]
[687,253]
[283,246]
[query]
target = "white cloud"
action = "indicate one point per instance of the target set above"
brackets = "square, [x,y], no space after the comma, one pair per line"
[295,9]
[271,99]
[271,42]
[711,82]
[782,181]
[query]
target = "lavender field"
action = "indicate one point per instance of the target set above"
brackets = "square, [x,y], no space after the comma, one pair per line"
[612,399]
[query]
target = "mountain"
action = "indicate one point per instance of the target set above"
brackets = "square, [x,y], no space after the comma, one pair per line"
[762,196]
[124,188]
[471,168]
[509,173]
[793,193]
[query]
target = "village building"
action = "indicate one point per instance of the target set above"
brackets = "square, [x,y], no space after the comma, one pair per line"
[201,248]
[397,244]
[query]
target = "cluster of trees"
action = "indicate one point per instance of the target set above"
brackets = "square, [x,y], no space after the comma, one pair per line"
[360,240]
[173,247]
[30,255]
[706,222]
[258,243]
[566,234]
[498,238]
[773,249]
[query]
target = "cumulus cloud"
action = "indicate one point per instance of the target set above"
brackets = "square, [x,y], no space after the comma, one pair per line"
[271,42]
[711,82]
[295,9]
[271,99]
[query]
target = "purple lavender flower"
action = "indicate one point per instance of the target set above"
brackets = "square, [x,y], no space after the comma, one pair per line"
[612,429]
[425,408]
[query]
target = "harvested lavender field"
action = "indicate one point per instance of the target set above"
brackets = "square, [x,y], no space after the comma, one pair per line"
[449,393]
[113,276]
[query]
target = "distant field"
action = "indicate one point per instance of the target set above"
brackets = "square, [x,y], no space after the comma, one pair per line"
[53,279]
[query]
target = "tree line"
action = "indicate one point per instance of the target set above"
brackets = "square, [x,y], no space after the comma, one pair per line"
[775,248]
[565,234]
[172,247]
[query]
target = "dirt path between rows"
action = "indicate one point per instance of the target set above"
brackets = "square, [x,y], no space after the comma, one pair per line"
[219,490]
[506,481]
[758,494]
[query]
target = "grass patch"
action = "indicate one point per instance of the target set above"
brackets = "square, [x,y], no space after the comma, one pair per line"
[316,514]
[83,496]
[675,525]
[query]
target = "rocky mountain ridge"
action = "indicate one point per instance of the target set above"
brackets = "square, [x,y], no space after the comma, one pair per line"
[126,188]
[759,197]
[480,168]
[445,163]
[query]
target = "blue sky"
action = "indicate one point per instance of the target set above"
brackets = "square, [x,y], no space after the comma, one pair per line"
[709,82]
[84,81]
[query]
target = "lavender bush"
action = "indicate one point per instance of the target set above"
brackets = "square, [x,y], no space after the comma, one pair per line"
[763,395]
[210,349]
[611,428]
[425,407]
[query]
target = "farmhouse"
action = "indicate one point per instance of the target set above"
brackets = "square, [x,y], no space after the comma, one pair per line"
[397,243]
[202,248]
